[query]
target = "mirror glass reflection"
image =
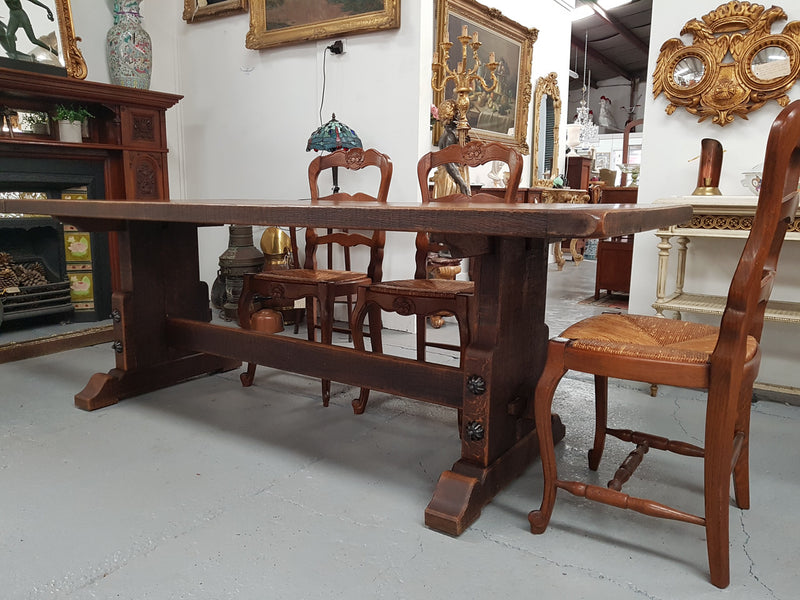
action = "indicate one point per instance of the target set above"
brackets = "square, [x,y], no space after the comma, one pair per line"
[770,63]
[546,138]
[546,119]
[689,71]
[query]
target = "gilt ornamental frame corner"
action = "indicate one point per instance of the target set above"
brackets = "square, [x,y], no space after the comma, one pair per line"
[201,10]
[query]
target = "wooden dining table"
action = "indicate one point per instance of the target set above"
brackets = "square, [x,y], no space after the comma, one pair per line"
[164,335]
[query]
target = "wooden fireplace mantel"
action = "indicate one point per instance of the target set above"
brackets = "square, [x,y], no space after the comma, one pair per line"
[128,132]
[126,142]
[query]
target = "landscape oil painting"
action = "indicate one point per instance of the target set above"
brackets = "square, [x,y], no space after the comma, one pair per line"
[280,22]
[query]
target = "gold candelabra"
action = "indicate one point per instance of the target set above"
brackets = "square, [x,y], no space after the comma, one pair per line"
[463,79]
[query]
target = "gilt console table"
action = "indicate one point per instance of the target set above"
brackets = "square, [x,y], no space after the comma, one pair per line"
[551,195]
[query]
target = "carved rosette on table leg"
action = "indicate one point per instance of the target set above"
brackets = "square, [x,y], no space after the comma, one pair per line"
[497,440]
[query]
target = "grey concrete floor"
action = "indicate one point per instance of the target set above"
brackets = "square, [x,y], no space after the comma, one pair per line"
[210,490]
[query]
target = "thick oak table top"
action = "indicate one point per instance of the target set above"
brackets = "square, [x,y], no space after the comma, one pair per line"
[515,220]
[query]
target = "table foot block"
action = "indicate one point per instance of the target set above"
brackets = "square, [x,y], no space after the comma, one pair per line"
[462,492]
[455,504]
[105,389]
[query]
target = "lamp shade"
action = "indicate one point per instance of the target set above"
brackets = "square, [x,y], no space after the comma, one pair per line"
[333,135]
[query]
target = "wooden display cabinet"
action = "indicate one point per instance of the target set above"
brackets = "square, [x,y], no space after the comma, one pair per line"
[579,172]
[615,255]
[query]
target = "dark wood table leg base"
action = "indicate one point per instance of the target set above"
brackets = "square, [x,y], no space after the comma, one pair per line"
[105,389]
[462,492]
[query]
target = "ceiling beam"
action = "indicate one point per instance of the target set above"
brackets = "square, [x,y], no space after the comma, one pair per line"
[594,55]
[617,26]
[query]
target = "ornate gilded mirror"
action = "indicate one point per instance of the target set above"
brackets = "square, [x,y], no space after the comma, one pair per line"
[546,119]
[734,65]
[40,37]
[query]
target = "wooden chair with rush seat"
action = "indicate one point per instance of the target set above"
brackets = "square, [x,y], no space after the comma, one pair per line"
[321,287]
[423,296]
[723,360]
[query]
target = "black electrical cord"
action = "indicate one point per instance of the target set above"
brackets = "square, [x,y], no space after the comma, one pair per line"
[322,99]
[336,47]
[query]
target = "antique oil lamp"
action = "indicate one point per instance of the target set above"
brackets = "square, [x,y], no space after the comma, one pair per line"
[241,257]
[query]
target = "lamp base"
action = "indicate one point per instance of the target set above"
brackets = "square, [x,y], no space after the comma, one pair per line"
[706,191]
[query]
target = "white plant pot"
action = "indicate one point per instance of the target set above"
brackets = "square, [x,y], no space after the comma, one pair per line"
[70,131]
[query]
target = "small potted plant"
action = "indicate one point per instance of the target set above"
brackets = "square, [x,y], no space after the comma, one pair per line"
[35,122]
[70,120]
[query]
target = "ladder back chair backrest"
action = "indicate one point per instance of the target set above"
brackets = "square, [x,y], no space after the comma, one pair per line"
[353,159]
[754,276]
[472,154]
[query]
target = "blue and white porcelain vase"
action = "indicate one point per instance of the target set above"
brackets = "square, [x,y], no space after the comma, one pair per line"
[128,48]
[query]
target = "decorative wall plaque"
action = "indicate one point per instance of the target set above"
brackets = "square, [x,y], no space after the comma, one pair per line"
[734,65]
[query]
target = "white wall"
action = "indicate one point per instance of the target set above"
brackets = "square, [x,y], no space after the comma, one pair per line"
[669,142]
[247,114]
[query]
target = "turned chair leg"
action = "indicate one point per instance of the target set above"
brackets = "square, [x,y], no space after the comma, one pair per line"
[543,401]
[600,420]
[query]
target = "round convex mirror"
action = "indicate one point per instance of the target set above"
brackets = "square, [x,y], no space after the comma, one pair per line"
[770,63]
[689,71]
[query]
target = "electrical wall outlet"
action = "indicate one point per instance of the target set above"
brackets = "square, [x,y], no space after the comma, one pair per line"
[337,47]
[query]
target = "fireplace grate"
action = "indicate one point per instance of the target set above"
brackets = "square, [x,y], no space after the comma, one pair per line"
[36,300]
[40,299]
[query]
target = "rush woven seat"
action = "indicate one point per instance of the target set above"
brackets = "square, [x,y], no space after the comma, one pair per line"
[440,288]
[723,360]
[644,338]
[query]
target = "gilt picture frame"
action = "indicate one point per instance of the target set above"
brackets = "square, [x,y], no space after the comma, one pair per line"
[201,10]
[500,115]
[42,39]
[294,21]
